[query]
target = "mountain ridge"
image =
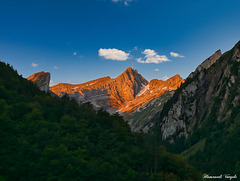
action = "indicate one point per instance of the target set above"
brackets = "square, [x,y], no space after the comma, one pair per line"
[201,119]
[114,94]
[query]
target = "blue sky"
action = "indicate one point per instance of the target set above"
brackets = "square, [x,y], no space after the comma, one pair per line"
[81,40]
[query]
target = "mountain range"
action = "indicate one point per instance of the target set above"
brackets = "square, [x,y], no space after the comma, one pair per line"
[197,118]
[128,91]
[126,94]
[45,137]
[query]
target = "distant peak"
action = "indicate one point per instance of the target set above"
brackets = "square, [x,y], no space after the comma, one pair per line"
[129,69]
[176,76]
[34,76]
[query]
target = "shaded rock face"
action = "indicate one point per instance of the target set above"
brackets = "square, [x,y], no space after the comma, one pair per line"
[207,63]
[41,79]
[142,119]
[211,90]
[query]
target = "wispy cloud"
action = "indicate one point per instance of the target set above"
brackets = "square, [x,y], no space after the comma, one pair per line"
[156,70]
[125,2]
[34,65]
[152,57]
[113,54]
[74,53]
[173,54]
[55,67]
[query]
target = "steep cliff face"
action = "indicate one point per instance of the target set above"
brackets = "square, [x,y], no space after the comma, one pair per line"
[41,79]
[211,92]
[105,92]
[141,119]
[153,90]
[202,119]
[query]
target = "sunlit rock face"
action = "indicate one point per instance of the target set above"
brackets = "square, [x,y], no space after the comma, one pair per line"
[128,91]
[105,92]
[125,94]
[154,89]
[41,79]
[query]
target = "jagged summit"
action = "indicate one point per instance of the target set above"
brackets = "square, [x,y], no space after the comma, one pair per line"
[131,73]
[116,93]
[152,90]
[105,92]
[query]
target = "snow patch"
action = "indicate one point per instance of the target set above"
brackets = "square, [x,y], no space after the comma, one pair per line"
[144,89]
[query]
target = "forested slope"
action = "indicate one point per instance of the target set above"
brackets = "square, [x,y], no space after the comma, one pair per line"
[52,138]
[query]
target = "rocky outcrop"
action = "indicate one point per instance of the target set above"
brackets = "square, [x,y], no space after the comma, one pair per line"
[207,94]
[41,79]
[207,63]
[211,60]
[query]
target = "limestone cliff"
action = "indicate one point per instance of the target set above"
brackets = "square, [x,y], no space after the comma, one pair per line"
[210,93]
[41,79]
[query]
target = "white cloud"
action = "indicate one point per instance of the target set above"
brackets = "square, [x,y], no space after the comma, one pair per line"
[135,48]
[176,55]
[34,65]
[74,53]
[152,57]
[156,70]
[165,77]
[55,67]
[113,54]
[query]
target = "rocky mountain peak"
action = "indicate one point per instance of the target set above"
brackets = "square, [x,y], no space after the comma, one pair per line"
[174,81]
[209,61]
[128,84]
[211,92]
[155,88]
[41,79]
[132,75]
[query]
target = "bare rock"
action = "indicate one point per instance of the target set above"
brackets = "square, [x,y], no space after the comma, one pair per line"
[41,79]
